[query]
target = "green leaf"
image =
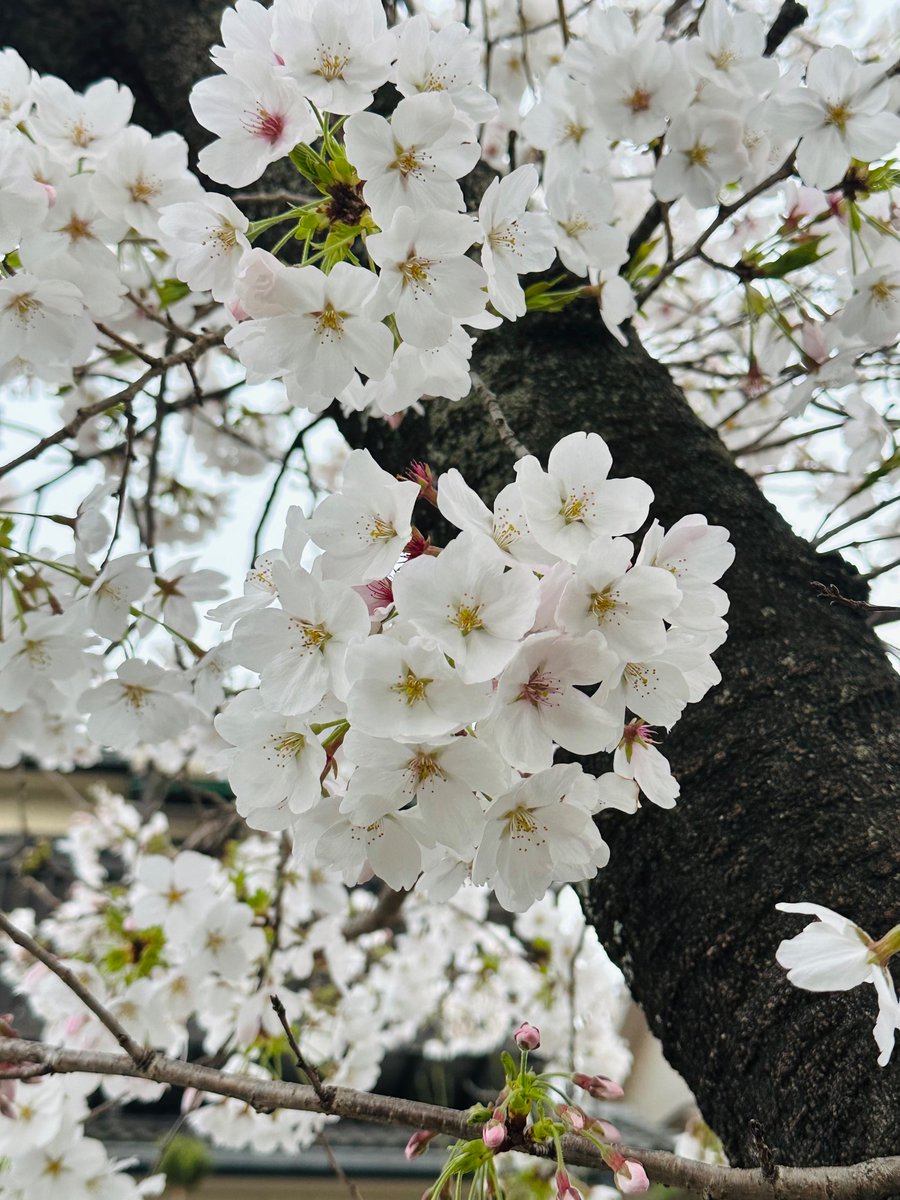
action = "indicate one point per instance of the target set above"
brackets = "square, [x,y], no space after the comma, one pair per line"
[185,1162]
[794,259]
[170,291]
[510,1068]
[310,165]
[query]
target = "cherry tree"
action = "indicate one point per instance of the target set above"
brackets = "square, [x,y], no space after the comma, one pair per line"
[578,287]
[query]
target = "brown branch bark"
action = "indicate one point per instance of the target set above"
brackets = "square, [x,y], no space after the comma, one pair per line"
[861,1181]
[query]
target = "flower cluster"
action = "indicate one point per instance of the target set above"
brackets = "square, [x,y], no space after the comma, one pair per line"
[406,720]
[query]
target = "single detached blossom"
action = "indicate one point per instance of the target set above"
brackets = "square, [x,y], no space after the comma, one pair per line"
[834,955]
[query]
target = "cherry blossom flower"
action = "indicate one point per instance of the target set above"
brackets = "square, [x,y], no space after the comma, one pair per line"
[43,322]
[258,117]
[446,60]
[47,652]
[573,502]
[635,91]
[364,527]
[172,892]
[77,126]
[426,279]
[537,832]
[385,847]
[697,554]
[276,769]
[627,604]
[873,311]
[142,177]
[143,704]
[23,201]
[705,151]
[441,774]
[637,758]
[581,208]
[565,124]
[833,954]
[506,526]
[538,702]
[205,238]
[337,51]
[301,648]
[120,585]
[415,161]
[312,325]
[15,87]
[840,115]
[515,241]
[469,603]
[729,49]
[410,689]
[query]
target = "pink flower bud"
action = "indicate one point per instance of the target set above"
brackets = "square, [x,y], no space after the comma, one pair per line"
[574,1116]
[631,1177]
[564,1188]
[50,190]
[606,1129]
[418,1143]
[493,1134]
[527,1037]
[598,1086]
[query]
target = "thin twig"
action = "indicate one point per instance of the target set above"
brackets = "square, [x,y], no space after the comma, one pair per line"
[83,415]
[383,914]
[495,412]
[831,593]
[323,1092]
[340,1173]
[141,1056]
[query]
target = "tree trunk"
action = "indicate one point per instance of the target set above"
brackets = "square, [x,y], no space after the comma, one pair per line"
[788,769]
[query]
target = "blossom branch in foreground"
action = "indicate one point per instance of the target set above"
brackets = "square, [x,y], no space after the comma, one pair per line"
[861,1181]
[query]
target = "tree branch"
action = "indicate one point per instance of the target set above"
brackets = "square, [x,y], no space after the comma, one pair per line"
[861,1181]
[83,415]
[139,1055]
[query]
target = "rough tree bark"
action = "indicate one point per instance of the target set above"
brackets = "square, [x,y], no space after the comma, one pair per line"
[788,769]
